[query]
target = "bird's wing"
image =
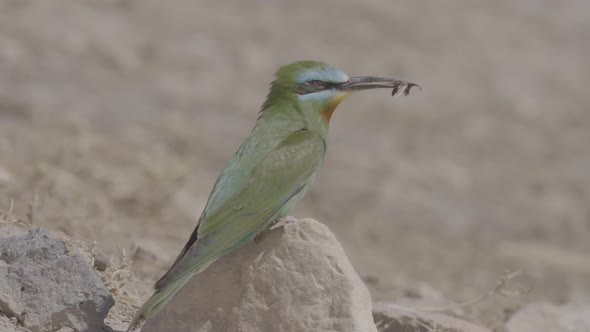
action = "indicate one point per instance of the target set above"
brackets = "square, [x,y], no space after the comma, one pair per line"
[273,182]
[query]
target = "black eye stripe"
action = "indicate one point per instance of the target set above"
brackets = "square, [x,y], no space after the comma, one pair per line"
[317,83]
[313,86]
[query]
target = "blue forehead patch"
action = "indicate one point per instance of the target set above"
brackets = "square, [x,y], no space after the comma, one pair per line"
[326,73]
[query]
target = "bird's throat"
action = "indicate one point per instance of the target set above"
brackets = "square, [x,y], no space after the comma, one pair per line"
[331,105]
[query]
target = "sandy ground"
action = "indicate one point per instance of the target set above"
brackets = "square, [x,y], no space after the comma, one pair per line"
[116,117]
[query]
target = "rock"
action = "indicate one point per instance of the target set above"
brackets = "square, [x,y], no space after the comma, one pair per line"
[548,317]
[9,229]
[101,262]
[394,318]
[10,325]
[295,278]
[47,285]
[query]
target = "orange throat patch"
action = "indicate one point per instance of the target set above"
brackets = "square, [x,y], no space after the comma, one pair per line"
[331,106]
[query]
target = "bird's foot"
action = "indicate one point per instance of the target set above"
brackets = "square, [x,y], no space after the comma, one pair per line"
[258,238]
[287,219]
[282,221]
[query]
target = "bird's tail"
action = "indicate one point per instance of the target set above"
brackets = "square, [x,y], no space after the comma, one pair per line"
[158,300]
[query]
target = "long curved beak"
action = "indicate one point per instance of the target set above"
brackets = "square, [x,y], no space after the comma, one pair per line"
[372,82]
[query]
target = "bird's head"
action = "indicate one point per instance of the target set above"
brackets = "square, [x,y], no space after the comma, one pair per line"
[323,87]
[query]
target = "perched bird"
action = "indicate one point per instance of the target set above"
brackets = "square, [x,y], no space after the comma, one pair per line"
[271,170]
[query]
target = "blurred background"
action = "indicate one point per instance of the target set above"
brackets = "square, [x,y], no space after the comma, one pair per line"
[116,117]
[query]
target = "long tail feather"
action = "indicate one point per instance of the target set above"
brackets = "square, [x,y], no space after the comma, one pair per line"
[157,301]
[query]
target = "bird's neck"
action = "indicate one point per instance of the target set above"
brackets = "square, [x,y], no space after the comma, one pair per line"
[316,117]
[292,115]
[320,106]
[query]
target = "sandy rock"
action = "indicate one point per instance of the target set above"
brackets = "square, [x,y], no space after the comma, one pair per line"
[10,325]
[295,278]
[47,285]
[394,318]
[128,290]
[101,262]
[9,229]
[548,317]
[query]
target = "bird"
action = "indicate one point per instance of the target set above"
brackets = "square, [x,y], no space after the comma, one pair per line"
[270,171]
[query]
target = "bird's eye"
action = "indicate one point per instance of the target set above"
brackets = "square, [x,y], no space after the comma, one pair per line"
[317,84]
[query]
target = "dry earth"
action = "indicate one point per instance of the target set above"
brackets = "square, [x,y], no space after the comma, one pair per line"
[116,117]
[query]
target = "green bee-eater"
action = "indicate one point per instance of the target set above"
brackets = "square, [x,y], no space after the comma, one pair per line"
[271,170]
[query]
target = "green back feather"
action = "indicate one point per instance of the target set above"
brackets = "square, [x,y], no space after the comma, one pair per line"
[271,169]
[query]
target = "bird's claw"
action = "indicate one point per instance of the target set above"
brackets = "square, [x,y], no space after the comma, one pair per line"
[282,221]
[408,87]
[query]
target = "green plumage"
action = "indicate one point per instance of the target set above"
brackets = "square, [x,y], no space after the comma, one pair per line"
[266,176]
[269,173]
